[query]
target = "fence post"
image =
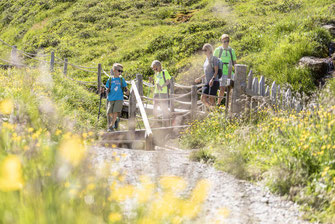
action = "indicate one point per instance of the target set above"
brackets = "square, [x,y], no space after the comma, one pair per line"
[65,66]
[52,61]
[139,83]
[99,78]
[249,87]
[194,99]
[262,86]
[13,56]
[171,94]
[273,94]
[239,88]
[132,111]
[254,102]
[279,98]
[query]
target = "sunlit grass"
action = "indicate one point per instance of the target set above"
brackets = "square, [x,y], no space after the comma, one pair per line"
[46,171]
[293,153]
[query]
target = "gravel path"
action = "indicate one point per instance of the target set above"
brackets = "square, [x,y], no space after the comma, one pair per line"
[243,202]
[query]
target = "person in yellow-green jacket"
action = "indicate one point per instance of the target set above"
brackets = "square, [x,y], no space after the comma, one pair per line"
[161,80]
[226,54]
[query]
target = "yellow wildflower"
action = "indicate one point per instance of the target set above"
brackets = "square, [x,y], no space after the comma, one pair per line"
[115,217]
[325,171]
[199,193]
[172,183]
[122,193]
[72,150]
[6,106]
[11,174]
[58,132]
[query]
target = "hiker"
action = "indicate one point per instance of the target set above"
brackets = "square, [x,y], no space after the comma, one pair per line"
[226,54]
[161,81]
[211,69]
[115,85]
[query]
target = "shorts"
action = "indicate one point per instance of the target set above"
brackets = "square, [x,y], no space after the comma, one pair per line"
[211,90]
[160,95]
[114,106]
[224,79]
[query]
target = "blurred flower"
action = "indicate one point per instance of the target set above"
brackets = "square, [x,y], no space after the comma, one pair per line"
[172,183]
[11,174]
[122,193]
[115,217]
[6,106]
[72,150]
[199,193]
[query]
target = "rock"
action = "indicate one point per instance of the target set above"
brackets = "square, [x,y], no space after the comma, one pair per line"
[330,28]
[319,66]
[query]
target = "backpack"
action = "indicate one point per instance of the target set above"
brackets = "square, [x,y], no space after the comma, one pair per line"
[220,71]
[168,86]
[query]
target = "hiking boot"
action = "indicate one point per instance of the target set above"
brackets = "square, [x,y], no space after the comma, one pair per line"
[110,129]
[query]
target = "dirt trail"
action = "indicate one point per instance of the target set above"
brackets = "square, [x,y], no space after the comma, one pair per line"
[243,202]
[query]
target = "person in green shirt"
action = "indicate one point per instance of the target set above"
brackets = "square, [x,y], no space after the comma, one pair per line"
[227,55]
[161,81]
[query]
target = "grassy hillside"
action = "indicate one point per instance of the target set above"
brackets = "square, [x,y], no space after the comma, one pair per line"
[293,154]
[47,176]
[269,36]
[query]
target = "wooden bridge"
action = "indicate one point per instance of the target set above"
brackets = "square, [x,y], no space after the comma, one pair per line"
[245,94]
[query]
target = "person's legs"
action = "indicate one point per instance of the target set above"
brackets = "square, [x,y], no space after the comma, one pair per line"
[165,109]
[114,117]
[221,94]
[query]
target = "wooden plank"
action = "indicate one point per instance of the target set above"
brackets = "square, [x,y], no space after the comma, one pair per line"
[261,90]
[148,132]
[239,90]
[279,98]
[273,93]
[250,79]
[249,89]
[267,91]
[288,98]
[254,103]
[172,101]
[139,83]
[255,85]
[132,111]
[140,134]
[149,108]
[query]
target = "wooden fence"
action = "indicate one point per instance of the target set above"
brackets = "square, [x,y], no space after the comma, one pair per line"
[248,94]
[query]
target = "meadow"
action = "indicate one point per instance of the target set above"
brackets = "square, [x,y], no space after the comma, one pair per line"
[48,123]
[291,153]
[46,172]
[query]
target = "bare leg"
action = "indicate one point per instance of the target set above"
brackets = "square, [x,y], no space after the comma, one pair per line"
[110,120]
[221,94]
[212,100]
[114,116]
[165,110]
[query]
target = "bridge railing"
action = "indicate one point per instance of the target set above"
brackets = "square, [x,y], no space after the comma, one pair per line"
[247,91]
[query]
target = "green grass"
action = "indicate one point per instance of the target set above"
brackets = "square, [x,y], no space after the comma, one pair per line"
[293,154]
[269,36]
[47,131]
